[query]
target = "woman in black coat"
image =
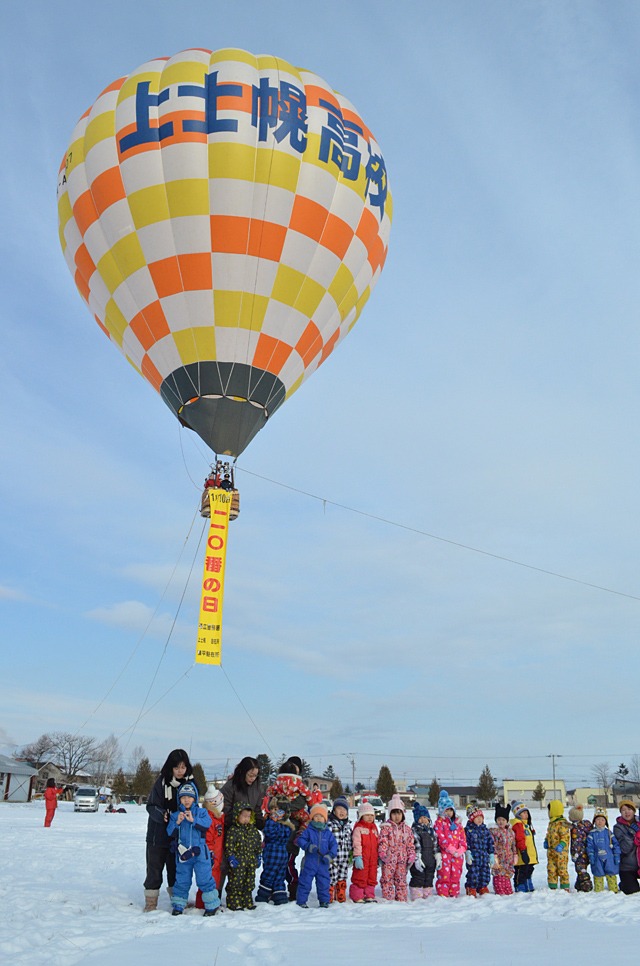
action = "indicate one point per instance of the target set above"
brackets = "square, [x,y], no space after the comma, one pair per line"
[161,802]
[243,786]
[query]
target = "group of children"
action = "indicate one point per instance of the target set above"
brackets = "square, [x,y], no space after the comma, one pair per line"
[424,852]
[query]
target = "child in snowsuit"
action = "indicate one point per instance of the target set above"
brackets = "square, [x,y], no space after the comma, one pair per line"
[275,855]
[557,844]
[526,844]
[396,851]
[452,843]
[425,844]
[506,852]
[341,827]
[480,853]
[604,852]
[189,827]
[51,801]
[364,842]
[293,797]
[243,848]
[320,846]
[214,804]
[580,828]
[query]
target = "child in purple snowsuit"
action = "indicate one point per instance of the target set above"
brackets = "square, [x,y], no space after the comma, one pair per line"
[480,855]
[275,856]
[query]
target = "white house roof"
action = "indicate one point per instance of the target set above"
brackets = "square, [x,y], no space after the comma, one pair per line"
[16,767]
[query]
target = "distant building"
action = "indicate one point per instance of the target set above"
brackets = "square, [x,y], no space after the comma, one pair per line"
[589,796]
[17,780]
[462,795]
[522,791]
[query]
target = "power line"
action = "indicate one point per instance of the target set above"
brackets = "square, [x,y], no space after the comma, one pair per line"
[451,543]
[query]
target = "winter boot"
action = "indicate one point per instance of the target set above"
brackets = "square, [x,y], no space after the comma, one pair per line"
[151,900]
[483,892]
[211,912]
[416,892]
[263,894]
[280,898]
[471,892]
[332,893]
[341,890]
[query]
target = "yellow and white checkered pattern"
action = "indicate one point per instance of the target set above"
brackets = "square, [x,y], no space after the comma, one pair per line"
[197,229]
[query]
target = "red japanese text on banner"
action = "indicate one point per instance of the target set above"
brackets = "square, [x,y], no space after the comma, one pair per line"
[209,643]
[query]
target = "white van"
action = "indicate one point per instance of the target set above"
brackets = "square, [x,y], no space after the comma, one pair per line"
[86,799]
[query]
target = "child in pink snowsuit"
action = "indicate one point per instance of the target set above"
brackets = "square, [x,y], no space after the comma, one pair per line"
[506,855]
[396,851]
[453,845]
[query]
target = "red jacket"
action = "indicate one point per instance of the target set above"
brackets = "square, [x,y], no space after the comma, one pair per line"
[365,843]
[51,798]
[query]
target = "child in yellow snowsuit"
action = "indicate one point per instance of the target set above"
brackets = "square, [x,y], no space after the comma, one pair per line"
[557,844]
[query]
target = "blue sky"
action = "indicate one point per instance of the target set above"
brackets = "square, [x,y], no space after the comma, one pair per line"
[488,395]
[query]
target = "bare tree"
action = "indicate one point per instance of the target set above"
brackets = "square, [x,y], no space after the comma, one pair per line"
[136,756]
[603,777]
[634,770]
[38,751]
[107,759]
[73,753]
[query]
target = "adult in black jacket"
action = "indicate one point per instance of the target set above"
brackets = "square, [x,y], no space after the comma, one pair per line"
[625,831]
[243,786]
[161,802]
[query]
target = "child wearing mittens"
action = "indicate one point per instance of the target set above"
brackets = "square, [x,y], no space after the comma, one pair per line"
[214,804]
[275,856]
[506,851]
[604,852]
[320,846]
[364,842]
[428,855]
[580,828]
[452,843]
[243,850]
[341,827]
[396,852]
[480,852]
[526,844]
[557,844]
[189,827]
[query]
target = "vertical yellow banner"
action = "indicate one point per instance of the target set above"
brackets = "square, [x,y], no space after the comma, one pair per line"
[209,643]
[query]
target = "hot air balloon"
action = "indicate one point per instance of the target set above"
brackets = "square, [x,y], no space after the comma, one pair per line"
[225,217]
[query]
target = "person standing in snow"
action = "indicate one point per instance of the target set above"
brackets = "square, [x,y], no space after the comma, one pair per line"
[580,828]
[480,854]
[626,832]
[452,843]
[526,844]
[243,849]
[506,851]
[428,856]
[214,802]
[396,851]
[364,840]
[319,845]
[161,802]
[51,794]
[339,869]
[557,843]
[604,852]
[188,826]
[293,797]
[275,856]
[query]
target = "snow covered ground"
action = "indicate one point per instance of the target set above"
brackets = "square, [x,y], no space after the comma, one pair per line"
[73,894]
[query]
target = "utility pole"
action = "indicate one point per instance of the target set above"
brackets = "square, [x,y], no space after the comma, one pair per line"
[351,759]
[553,767]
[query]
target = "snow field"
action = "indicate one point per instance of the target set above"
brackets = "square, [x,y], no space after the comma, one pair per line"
[73,894]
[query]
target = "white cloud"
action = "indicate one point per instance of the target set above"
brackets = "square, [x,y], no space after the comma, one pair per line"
[10,593]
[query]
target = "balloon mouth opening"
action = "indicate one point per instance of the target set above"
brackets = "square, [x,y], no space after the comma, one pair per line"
[217,396]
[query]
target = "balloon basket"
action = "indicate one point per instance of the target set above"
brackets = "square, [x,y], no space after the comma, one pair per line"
[221,477]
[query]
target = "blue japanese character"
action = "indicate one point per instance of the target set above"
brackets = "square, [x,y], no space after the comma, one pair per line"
[376,173]
[211,91]
[288,106]
[144,133]
[339,142]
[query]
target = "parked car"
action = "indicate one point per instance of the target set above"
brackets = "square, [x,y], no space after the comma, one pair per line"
[86,799]
[379,807]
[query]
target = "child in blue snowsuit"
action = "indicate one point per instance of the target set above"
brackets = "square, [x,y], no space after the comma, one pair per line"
[604,853]
[320,846]
[275,856]
[480,852]
[188,826]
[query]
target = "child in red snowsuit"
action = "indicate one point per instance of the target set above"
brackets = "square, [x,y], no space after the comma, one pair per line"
[51,801]
[396,851]
[364,875]
[453,845]
[214,837]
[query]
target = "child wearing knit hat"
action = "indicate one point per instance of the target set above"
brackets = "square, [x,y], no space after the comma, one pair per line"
[364,843]
[526,844]
[396,852]
[275,855]
[319,844]
[452,843]
[214,803]
[341,827]
[603,851]
[506,851]
[480,852]
[580,828]
[428,856]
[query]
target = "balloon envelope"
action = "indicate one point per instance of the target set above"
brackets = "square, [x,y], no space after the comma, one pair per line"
[225,217]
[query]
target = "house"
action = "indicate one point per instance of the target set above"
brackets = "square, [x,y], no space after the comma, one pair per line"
[462,795]
[17,780]
[589,796]
[630,790]
[522,791]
